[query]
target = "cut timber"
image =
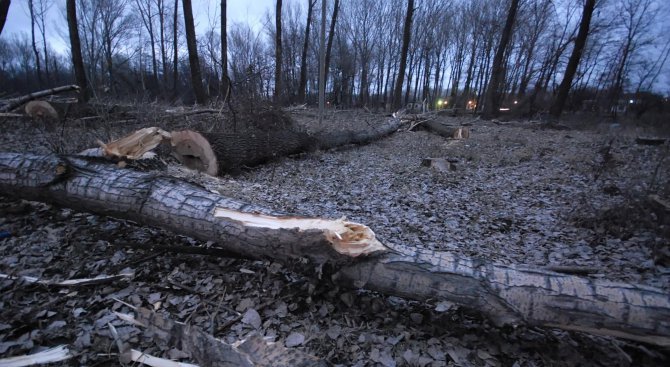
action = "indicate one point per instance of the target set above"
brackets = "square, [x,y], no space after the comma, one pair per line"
[507,294]
[53,355]
[193,151]
[135,145]
[41,110]
[209,351]
[11,104]
[447,131]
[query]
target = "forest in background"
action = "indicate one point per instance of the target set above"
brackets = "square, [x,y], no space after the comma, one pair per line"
[137,49]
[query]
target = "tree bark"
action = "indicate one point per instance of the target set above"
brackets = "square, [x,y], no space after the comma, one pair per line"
[193,60]
[278,53]
[225,79]
[331,35]
[573,63]
[406,35]
[4,9]
[507,294]
[492,97]
[175,56]
[75,50]
[303,58]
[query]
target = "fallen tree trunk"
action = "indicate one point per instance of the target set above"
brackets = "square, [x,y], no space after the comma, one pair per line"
[329,140]
[507,294]
[11,104]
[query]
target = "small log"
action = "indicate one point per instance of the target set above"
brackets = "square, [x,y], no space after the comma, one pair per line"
[194,151]
[11,104]
[648,140]
[507,294]
[52,355]
[447,131]
[439,164]
[40,110]
[135,145]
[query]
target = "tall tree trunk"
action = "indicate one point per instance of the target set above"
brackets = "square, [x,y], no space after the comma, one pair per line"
[406,35]
[278,53]
[193,60]
[4,9]
[38,68]
[161,23]
[303,59]
[573,63]
[175,56]
[331,35]
[75,50]
[225,79]
[492,98]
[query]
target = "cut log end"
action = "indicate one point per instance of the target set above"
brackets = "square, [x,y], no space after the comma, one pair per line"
[135,145]
[347,238]
[41,110]
[194,151]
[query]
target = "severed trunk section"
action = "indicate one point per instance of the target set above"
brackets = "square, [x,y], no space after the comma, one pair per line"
[507,294]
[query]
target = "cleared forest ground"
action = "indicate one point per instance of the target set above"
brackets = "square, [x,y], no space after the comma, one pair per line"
[517,193]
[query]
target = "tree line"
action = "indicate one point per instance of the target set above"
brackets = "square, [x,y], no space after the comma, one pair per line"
[535,55]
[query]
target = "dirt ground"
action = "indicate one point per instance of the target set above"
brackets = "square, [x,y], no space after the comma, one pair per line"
[516,193]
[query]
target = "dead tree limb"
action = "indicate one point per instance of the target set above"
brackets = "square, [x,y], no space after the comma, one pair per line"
[507,294]
[11,104]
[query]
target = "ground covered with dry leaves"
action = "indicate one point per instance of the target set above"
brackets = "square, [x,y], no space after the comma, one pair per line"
[515,193]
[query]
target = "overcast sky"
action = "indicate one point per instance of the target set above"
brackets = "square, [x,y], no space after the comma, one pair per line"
[204,12]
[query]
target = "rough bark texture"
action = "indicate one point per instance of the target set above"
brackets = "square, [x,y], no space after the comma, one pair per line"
[251,147]
[75,50]
[193,60]
[331,35]
[492,96]
[507,294]
[575,57]
[339,138]
[406,35]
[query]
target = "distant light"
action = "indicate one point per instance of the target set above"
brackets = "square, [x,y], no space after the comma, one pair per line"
[631,101]
[515,102]
[504,109]
[439,102]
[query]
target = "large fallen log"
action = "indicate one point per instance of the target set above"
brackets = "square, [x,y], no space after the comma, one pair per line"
[507,294]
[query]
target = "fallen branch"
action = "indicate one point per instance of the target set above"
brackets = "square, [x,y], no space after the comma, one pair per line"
[11,104]
[71,282]
[56,354]
[506,294]
[209,351]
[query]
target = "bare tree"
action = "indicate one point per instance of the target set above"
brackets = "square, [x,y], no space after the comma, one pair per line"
[492,98]
[225,79]
[75,50]
[145,9]
[196,76]
[303,59]
[406,35]
[278,52]
[571,69]
[33,20]
[4,9]
[175,48]
[331,34]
